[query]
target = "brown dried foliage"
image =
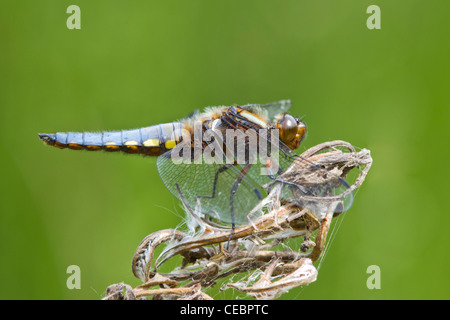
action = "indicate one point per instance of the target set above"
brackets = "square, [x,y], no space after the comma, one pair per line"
[252,247]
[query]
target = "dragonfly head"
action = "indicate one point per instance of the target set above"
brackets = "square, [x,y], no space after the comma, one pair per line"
[291,130]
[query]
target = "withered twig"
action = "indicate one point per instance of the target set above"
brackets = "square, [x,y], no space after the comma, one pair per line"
[253,246]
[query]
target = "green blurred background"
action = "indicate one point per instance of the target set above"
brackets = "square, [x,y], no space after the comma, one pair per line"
[138,63]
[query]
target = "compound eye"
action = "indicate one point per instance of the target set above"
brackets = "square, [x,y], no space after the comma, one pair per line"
[287,127]
[291,131]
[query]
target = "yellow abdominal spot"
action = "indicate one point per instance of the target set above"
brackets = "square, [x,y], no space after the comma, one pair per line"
[170,144]
[151,143]
[93,147]
[131,143]
[112,148]
[74,146]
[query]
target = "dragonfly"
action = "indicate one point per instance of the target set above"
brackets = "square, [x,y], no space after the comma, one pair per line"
[217,160]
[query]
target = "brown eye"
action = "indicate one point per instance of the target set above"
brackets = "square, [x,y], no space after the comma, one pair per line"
[291,131]
[288,128]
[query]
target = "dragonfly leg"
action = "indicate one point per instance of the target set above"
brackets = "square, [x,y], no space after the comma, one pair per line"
[216,177]
[236,184]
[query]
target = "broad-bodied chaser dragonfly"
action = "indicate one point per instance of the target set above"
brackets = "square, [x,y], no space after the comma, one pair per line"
[217,160]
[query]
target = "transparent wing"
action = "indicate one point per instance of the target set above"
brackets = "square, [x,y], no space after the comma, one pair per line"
[208,188]
[193,114]
[319,191]
[212,188]
[273,109]
[317,179]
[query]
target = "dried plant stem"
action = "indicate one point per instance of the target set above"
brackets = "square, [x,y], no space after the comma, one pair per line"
[252,246]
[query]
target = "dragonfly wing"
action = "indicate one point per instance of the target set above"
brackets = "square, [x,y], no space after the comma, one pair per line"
[272,109]
[207,187]
[318,185]
[192,115]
